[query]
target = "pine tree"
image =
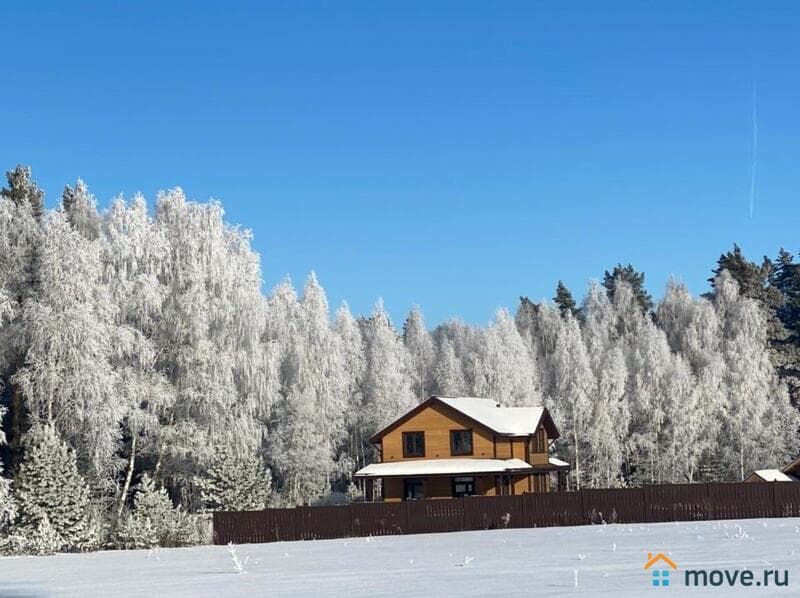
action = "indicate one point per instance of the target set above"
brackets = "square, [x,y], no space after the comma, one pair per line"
[564,300]
[629,275]
[785,278]
[50,487]
[23,191]
[236,480]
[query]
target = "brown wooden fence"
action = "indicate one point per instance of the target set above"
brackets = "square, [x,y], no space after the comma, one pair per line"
[682,502]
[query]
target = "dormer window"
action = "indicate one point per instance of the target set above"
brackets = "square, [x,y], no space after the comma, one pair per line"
[460,442]
[413,444]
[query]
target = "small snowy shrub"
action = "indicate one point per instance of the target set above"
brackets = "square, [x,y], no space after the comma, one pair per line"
[154,521]
[354,494]
[43,539]
[8,505]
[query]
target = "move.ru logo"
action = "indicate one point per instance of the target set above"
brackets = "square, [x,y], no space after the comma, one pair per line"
[660,573]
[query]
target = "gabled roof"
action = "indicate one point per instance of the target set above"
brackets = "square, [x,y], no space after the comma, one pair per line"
[504,421]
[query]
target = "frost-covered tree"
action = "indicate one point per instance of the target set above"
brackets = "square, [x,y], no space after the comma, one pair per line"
[52,493]
[629,276]
[236,480]
[22,190]
[448,375]
[419,344]
[8,504]
[154,520]
[749,381]
[21,209]
[309,425]
[506,370]
[387,381]
[354,369]
[67,377]
[611,414]
[80,209]
[133,257]
[693,331]
[208,338]
[572,396]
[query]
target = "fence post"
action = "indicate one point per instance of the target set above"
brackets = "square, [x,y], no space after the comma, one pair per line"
[775,510]
[587,520]
[645,512]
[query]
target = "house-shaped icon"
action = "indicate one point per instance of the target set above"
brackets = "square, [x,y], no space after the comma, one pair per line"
[660,574]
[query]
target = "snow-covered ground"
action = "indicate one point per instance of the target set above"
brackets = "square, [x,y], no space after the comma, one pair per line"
[609,561]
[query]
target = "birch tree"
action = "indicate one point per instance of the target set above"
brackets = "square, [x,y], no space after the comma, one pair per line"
[419,344]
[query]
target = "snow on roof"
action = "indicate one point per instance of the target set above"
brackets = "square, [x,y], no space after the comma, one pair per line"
[773,475]
[558,462]
[512,421]
[441,466]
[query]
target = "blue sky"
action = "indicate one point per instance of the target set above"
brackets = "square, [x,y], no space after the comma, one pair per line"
[453,155]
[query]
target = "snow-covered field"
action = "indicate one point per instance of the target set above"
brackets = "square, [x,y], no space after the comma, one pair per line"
[609,561]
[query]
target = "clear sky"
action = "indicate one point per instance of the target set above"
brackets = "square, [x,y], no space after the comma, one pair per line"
[453,155]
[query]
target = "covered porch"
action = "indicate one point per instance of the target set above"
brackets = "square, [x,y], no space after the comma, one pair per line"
[456,478]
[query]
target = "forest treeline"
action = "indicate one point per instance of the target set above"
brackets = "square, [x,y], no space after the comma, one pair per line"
[146,377]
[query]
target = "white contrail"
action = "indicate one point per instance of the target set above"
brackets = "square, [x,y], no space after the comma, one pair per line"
[755,155]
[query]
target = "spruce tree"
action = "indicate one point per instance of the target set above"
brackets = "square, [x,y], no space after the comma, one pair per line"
[155,521]
[236,480]
[49,487]
[564,300]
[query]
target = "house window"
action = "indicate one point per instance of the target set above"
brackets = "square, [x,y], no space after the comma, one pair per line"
[460,442]
[413,444]
[413,489]
[539,442]
[463,486]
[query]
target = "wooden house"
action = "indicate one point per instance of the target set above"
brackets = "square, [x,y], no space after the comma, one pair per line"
[450,447]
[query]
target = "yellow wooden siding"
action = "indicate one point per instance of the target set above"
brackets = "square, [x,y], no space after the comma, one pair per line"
[437,421]
[504,447]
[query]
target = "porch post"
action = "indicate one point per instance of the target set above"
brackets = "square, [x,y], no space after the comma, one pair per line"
[369,493]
